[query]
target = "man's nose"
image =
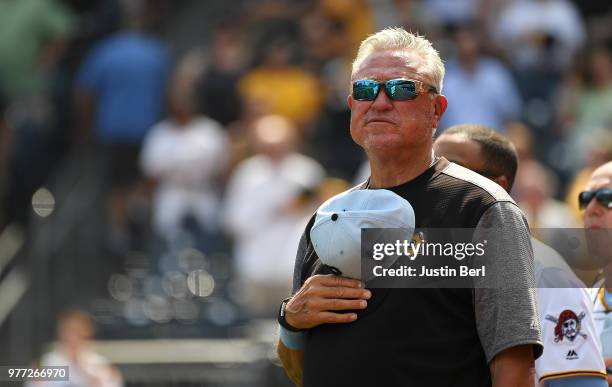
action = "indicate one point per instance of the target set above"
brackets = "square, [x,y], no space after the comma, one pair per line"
[593,208]
[382,101]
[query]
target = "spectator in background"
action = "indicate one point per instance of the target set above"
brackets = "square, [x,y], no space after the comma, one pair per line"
[120,90]
[597,154]
[451,12]
[240,131]
[356,19]
[33,35]
[521,136]
[586,104]
[75,329]
[540,39]
[540,34]
[185,155]
[324,40]
[267,19]
[217,89]
[534,188]
[284,88]
[481,90]
[260,208]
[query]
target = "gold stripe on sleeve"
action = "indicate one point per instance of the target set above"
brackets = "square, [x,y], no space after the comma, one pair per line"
[566,374]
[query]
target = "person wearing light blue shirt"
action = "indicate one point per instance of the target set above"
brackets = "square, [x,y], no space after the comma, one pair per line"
[481,89]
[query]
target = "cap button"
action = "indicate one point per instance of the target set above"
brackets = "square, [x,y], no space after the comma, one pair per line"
[334,217]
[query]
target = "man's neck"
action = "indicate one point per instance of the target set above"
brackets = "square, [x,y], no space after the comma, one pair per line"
[390,172]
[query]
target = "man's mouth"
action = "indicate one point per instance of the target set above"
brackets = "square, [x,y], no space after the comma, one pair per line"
[380,120]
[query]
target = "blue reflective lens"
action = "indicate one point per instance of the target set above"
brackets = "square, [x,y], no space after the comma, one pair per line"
[396,89]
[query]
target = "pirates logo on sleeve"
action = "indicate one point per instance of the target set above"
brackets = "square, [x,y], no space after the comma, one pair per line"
[568,326]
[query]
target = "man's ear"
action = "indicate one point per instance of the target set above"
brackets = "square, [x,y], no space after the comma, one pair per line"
[503,182]
[440,104]
[349,100]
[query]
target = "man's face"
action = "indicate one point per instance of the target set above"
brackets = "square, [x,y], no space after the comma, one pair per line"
[460,150]
[383,125]
[595,215]
[74,333]
[598,219]
[467,153]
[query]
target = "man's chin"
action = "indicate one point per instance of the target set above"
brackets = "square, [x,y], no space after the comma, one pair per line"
[598,242]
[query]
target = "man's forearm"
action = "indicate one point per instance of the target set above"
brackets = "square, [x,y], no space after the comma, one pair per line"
[513,367]
[320,300]
[292,361]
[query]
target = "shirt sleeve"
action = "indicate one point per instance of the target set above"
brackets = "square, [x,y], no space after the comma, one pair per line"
[571,351]
[505,306]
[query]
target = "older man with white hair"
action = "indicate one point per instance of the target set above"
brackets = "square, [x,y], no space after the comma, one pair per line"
[334,332]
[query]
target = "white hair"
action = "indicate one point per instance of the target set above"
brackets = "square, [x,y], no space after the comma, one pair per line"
[398,39]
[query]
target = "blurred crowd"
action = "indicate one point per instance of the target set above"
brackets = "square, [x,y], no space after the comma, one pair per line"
[226,123]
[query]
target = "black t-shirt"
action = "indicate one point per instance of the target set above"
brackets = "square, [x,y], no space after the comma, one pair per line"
[432,337]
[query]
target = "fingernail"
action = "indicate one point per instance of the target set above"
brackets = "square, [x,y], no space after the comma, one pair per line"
[367,294]
[353,316]
[363,304]
[360,285]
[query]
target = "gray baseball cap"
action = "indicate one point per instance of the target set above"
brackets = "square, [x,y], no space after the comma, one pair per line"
[336,233]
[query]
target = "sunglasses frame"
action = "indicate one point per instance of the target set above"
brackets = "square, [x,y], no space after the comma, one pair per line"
[597,195]
[419,87]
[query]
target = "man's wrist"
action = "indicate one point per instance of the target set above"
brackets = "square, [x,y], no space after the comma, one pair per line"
[295,341]
[282,317]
